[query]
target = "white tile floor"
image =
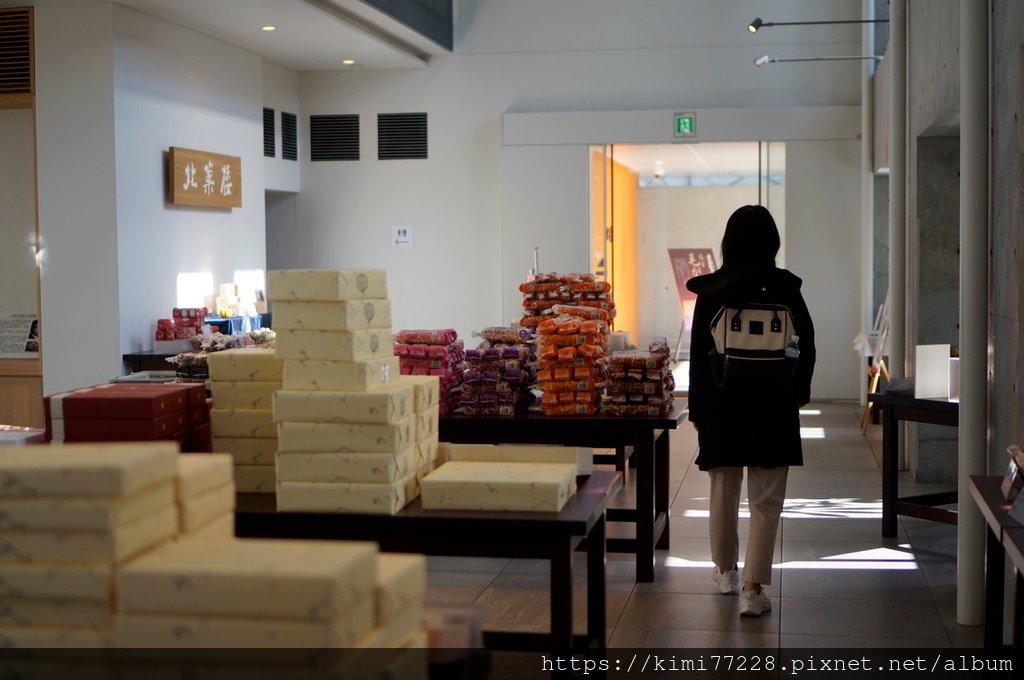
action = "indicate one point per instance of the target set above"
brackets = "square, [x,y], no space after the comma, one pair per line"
[838,583]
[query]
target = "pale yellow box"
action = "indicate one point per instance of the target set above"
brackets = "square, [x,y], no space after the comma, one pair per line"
[428,390]
[255,478]
[374,343]
[248,450]
[389,404]
[465,485]
[81,469]
[199,472]
[292,579]
[55,612]
[257,423]
[250,365]
[243,394]
[220,528]
[87,513]
[346,437]
[401,585]
[58,581]
[363,467]
[125,541]
[199,509]
[326,284]
[359,376]
[426,423]
[345,315]
[429,450]
[376,499]
[390,634]
[511,453]
[55,637]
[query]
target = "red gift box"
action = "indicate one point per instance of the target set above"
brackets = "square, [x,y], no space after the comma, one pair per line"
[116,429]
[198,440]
[117,400]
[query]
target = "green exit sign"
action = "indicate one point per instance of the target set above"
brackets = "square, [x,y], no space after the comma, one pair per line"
[685,124]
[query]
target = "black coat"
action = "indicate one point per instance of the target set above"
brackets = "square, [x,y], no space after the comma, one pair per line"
[731,431]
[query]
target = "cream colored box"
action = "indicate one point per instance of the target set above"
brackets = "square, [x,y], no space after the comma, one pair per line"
[88,513]
[220,528]
[346,437]
[243,394]
[248,450]
[255,478]
[428,390]
[381,468]
[389,404]
[389,634]
[326,284]
[347,315]
[429,450]
[251,577]
[190,632]
[466,485]
[125,541]
[401,585]
[426,423]
[250,365]
[60,581]
[53,612]
[358,376]
[376,499]
[200,472]
[56,637]
[80,469]
[257,423]
[374,343]
[195,511]
[511,453]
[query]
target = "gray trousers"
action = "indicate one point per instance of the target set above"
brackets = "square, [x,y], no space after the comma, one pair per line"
[766,492]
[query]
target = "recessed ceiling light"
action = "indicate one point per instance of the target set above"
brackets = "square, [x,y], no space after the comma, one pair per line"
[270,28]
[348,62]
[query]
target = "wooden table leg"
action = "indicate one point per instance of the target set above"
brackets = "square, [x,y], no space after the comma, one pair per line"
[890,463]
[561,594]
[994,561]
[597,599]
[645,514]
[1017,642]
[661,486]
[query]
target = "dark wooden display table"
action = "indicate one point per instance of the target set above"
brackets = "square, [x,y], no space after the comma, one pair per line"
[463,533]
[147,361]
[899,403]
[649,438]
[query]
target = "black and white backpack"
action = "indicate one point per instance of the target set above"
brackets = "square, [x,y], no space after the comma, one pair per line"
[756,349]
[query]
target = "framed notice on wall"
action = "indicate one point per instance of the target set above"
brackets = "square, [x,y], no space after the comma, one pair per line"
[203,178]
[19,335]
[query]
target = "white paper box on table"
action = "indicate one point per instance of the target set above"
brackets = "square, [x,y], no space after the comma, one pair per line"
[125,541]
[60,581]
[379,468]
[340,376]
[430,451]
[931,371]
[953,383]
[247,365]
[243,394]
[466,485]
[517,453]
[374,343]
[377,499]
[258,423]
[326,284]
[251,577]
[426,422]
[346,437]
[247,450]
[428,390]
[195,511]
[86,513]
[184,631]
[255,478]
[199,472]
[346,315]
[220,528]
[388,404]
[82,469]
[53,612]
[58,637]
[401,585]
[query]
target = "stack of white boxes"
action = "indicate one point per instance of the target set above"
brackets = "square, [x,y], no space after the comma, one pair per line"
[206,496]
[353,435]
[72,515]
[243,382]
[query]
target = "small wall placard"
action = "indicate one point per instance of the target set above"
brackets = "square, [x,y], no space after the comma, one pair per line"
[203,178]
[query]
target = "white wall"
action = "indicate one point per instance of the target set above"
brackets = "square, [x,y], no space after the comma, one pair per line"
[176,87]
[281,93]
[18,217]
[77,217]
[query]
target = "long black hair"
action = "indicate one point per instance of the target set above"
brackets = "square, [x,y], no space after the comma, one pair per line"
[751,238]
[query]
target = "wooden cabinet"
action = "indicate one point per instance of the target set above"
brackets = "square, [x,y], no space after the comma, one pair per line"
[21,392]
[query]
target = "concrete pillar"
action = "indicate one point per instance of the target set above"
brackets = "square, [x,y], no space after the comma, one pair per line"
[974,228]
[897,55]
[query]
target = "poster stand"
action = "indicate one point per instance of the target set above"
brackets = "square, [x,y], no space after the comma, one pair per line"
[686,264]
[875,346]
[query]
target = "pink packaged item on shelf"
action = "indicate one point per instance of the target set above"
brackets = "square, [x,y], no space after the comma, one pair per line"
[426,337]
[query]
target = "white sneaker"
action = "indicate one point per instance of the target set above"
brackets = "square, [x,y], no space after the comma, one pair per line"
[728,581]
[753,603]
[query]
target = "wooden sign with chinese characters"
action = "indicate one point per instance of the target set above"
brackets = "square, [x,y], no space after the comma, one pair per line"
[206,179]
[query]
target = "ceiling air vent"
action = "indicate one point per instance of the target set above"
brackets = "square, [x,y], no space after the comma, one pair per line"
[289,137]
[401,135]
[16,51]
[334,137]
[268,132]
